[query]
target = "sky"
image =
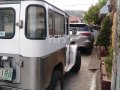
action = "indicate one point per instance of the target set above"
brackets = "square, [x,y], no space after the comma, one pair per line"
[73,4]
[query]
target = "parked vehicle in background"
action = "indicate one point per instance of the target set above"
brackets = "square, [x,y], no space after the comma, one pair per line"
[35,49]
[82,35]
[96,31]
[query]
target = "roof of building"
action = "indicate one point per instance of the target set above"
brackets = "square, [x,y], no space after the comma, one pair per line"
[74,18]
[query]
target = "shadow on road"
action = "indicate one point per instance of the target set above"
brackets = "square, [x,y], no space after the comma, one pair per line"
[70,74]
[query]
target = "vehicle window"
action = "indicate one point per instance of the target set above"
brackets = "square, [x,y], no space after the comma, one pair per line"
[35,24]
[51,22]
[95,27]
[59,24]
[79,27]
[7,23]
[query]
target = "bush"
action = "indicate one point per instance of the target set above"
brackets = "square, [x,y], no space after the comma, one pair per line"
[104,37]
[108,61]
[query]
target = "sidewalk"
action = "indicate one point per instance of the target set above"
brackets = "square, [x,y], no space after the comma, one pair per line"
[94,67]
[97,67]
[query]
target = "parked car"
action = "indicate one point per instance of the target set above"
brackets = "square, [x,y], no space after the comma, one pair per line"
[82,35]
[96,31]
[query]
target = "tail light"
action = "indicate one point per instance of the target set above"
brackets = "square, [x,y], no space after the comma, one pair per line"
[85,34]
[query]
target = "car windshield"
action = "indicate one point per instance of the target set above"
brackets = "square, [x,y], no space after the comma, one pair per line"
[79,27]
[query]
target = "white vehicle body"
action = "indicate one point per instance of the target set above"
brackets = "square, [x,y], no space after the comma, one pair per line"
[34,45]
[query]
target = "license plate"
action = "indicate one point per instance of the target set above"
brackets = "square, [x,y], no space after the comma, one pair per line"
[6,74]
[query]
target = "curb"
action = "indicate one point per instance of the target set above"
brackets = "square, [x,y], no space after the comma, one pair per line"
[96,81]
[94,67]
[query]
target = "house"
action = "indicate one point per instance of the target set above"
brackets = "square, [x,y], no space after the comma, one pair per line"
[75,16]
[74,19]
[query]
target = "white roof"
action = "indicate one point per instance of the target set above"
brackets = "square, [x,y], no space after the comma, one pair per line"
[104,10]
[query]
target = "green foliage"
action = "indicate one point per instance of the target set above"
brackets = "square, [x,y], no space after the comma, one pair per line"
[92,15]
[108,61]
[104,37]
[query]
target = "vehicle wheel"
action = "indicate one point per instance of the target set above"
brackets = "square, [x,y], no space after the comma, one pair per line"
[77,65]
[56,82]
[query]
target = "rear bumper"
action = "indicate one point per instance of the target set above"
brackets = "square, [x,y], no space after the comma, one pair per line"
[9,88]
[86,44]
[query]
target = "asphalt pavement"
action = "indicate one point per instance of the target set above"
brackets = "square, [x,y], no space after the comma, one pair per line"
[81,80]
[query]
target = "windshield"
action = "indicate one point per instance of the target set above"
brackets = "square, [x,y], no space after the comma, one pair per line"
[79,27]
[7,23]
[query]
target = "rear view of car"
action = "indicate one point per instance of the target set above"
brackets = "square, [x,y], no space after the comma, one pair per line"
[81,34]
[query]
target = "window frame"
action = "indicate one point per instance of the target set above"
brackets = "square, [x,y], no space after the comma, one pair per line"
[67,26]
[13,23]
[53,21]
[26,19]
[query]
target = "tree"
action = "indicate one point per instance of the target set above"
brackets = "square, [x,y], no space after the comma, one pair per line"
[92,15]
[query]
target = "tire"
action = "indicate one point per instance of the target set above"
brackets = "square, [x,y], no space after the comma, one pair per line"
[57,76]
[77,65]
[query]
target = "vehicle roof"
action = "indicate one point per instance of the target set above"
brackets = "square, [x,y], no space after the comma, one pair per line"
[79,23]
[18,1]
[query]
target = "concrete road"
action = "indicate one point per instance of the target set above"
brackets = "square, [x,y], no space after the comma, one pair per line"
[80,80]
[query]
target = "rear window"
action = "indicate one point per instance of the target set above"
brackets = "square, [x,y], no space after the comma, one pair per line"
[35,22]
[7,23]
[79,27]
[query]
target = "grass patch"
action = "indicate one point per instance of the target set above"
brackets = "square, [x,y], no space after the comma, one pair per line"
[108,62]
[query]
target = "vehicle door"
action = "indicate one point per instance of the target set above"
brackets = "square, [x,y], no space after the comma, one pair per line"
[9,41]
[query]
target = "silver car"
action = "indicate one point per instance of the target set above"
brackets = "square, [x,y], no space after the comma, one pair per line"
[81,34]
